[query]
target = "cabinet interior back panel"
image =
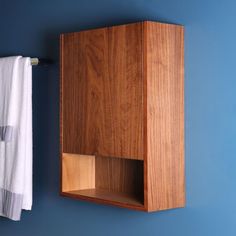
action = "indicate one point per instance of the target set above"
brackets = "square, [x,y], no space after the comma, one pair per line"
[102,106]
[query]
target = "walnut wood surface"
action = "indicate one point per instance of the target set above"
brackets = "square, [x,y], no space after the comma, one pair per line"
[106,197]
[125,198]
[102,92]
[119,175]
[165,116]
[113,180]
[78,172]
[122,96]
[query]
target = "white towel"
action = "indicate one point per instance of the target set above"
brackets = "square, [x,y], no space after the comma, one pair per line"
[15,136]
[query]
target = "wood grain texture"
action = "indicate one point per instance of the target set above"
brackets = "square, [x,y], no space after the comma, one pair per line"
[126,90]
[111,198]
[165,116]
[78,172]
[124,198]
[102,92]
[122,96]
[74,95]
[117,180]
[120,175]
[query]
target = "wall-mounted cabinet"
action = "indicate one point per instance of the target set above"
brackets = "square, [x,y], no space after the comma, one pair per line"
[122,115]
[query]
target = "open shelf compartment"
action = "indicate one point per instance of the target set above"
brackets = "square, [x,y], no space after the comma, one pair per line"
[117,181]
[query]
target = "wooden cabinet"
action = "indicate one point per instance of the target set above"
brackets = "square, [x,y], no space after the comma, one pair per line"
[122,115]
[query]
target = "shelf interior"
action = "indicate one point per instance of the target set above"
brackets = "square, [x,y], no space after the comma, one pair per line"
[105,178]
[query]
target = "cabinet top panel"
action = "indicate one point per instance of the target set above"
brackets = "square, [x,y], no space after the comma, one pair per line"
[122,25]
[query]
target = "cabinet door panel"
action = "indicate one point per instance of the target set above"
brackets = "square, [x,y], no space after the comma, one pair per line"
[102,92]
[84,62]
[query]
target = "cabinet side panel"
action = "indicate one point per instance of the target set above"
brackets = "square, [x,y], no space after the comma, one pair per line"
[78,172]
[61,103]
[165,116]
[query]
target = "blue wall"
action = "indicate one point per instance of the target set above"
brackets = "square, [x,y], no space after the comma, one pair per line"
[32,28]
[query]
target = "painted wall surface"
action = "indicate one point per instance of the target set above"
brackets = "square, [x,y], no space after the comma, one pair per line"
[32,28]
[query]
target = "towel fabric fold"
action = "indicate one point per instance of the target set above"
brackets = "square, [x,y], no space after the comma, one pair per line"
[15,136]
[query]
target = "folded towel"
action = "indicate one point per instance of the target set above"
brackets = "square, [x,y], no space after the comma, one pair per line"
[15,136]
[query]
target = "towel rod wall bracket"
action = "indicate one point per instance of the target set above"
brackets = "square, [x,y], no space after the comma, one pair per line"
[40,61]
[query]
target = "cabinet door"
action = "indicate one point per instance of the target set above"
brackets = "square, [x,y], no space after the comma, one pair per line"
[102,92]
